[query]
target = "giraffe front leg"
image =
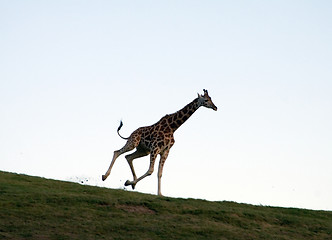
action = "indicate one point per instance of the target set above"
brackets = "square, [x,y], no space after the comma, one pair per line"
[163,158]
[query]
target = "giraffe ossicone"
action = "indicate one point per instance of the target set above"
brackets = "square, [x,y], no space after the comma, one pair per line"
[157,139]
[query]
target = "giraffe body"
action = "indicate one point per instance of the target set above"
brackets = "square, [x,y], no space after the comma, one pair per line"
[157,139]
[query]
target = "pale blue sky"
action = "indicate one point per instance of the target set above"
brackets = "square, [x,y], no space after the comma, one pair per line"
[71,70]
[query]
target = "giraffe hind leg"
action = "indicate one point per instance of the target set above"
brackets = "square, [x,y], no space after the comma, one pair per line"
[148,173]
[130,145]
[140,152]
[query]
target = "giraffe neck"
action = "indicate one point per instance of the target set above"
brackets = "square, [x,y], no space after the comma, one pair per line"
[176,119]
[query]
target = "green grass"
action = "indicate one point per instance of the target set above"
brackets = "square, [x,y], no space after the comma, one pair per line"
[38,208]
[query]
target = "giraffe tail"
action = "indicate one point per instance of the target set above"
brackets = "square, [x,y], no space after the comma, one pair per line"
[121,124]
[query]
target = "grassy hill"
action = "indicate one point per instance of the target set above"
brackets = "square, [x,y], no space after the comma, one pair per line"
[37,208]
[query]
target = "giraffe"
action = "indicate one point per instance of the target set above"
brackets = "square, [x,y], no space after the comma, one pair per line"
[157,139]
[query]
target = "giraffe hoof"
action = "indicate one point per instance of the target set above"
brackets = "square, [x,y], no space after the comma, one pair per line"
[103,177]
[127,183]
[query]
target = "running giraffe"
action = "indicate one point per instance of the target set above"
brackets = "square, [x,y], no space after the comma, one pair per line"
[157,139]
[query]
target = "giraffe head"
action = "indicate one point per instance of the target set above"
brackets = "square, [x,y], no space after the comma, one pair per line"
[206,101]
